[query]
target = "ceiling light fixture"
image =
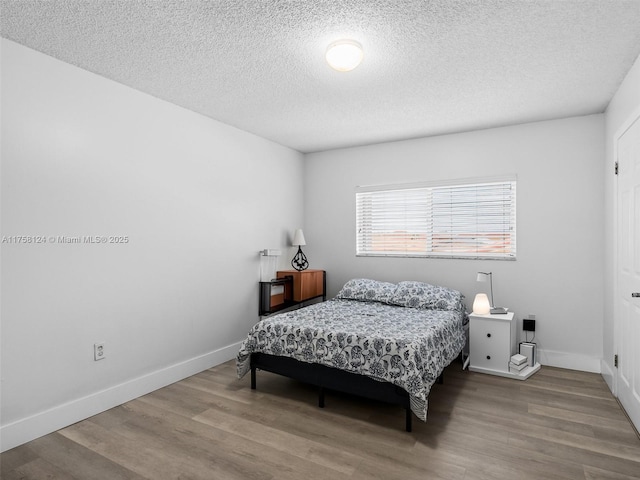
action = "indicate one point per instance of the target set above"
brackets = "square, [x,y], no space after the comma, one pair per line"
[344,55]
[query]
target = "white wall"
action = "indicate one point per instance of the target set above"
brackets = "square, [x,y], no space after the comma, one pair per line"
[559,169]
[625,103]
[85,156]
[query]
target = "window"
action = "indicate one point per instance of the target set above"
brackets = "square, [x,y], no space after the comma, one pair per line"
[466,219]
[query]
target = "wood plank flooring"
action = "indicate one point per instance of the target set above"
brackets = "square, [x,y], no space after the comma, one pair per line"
[559,424]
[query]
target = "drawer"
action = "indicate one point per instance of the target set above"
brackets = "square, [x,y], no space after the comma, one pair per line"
[308,285]
[490,345]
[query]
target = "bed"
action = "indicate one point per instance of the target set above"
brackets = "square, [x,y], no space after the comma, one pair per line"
[386,341]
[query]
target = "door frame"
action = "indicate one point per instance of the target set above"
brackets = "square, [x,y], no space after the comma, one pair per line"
[626,125]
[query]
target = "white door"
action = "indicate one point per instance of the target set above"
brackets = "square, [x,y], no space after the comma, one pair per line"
[628,270]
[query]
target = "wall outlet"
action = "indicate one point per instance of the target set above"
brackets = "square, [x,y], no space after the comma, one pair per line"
[98,351]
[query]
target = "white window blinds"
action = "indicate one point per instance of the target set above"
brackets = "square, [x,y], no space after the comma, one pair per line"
[470,219]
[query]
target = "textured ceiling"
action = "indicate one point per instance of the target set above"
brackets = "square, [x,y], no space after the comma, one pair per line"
[431,67]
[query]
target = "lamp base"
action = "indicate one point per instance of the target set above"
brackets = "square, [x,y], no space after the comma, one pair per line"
[499,310]
[300,262]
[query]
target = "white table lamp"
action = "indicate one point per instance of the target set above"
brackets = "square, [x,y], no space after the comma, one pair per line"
[481,304]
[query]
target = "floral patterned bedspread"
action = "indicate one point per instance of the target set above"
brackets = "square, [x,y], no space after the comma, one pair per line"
[409,347]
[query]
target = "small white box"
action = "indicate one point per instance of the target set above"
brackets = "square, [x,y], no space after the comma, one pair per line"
[518,359]
[513,367]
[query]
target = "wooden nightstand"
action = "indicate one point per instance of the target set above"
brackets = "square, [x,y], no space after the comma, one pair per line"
[492,342]
[294,289]
[307,284]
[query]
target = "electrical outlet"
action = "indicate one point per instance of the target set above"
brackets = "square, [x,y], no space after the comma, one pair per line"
[98,351]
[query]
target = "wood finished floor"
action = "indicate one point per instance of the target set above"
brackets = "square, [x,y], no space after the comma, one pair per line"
[559,424]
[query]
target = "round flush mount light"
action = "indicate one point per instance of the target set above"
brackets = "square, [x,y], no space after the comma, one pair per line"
[344,55]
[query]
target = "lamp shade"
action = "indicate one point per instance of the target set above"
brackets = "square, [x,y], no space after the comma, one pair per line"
[481,304]
[298,238]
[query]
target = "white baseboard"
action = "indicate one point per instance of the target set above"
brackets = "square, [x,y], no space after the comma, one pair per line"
[570,361]
[609,376]
[43,423]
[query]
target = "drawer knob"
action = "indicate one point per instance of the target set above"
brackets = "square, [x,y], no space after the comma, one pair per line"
[488,335]
[488,357]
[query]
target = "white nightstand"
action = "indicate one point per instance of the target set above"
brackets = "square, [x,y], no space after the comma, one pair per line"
[492,341]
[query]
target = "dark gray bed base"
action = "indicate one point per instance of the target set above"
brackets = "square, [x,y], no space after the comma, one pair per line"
[333,379]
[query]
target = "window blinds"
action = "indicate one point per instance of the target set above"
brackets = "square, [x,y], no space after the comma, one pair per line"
[461,220]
